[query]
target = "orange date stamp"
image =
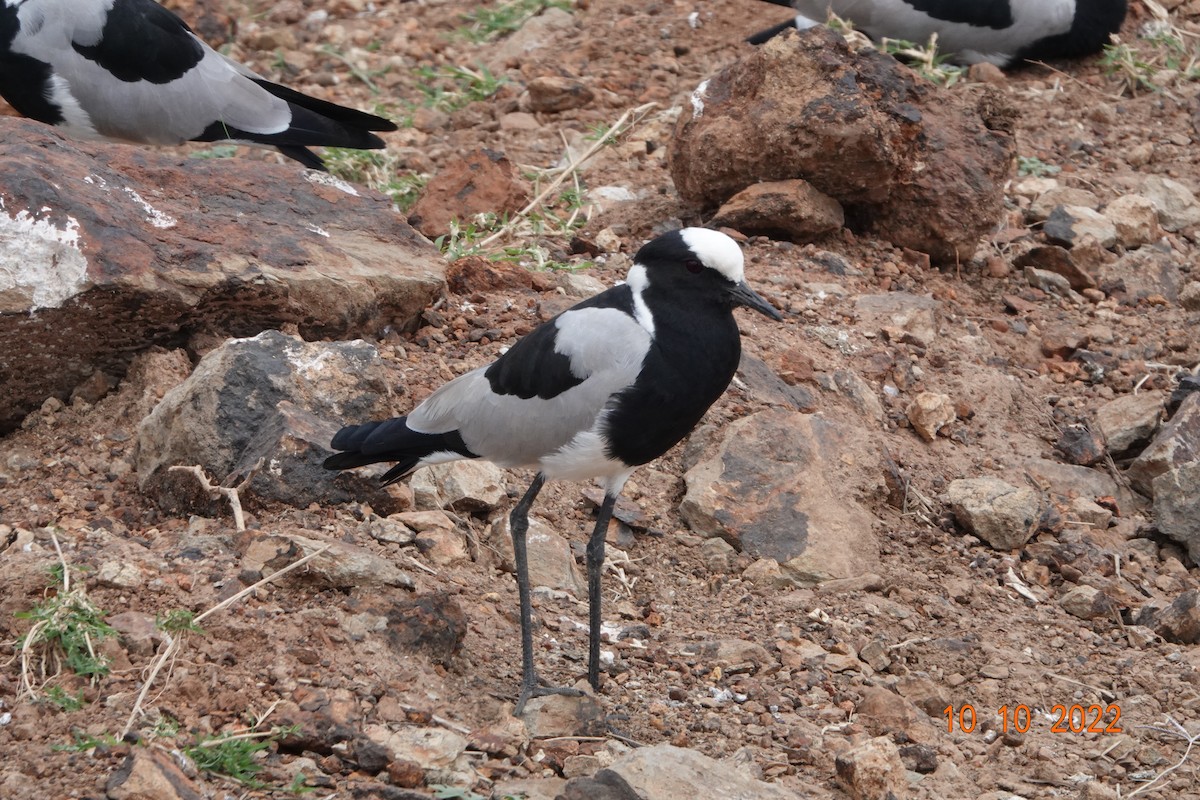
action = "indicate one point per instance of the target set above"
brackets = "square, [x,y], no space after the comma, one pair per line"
[1063,718]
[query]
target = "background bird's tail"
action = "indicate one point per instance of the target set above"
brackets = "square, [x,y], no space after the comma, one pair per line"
[393,440]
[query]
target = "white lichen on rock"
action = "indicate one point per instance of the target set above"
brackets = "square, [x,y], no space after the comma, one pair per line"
[41,264]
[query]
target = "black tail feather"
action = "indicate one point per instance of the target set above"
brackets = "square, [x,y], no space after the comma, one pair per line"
[770,33]
[390,440]
[349,117]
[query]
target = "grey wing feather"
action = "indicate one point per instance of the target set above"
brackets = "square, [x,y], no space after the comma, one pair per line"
[606,345]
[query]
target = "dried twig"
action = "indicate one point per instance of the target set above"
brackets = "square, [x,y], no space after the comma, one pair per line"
[231,493]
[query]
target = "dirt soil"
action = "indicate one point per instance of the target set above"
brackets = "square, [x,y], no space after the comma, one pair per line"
[941,604]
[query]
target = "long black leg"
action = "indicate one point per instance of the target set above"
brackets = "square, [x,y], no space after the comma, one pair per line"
[518,524]
[595,562]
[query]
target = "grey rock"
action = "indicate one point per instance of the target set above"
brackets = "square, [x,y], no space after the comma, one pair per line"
[1176,204]
[1128,422]
[901,316]
[665,772]
[341,566]
[1086,602]
[431,747]
[776,486]
[564,715]
[1135,219]
[1177,506]
[730,652]
[1072,225]
[1002,515]
[604,785]
[1177,443]
[1067,480]
[106,252]
[265,406]
[551,563]
[1044,203]
[580,284]
[464,486]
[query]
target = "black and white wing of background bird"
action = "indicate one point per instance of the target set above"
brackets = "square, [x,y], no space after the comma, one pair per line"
[1002,32]
[608,385]
[131,70]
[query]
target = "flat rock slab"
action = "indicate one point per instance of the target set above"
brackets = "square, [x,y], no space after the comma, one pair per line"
[907,161]
[666,772]
[776,487]
[106,250]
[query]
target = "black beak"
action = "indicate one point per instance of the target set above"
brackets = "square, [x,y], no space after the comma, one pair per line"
[743,295]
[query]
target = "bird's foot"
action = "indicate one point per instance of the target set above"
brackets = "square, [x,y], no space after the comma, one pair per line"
[534,686]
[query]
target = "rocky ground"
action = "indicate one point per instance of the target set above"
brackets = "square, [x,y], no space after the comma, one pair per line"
[990,603]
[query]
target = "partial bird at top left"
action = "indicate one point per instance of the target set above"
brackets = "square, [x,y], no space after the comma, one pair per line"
[133,71]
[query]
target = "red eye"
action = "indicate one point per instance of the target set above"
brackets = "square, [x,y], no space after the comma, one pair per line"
[694,266]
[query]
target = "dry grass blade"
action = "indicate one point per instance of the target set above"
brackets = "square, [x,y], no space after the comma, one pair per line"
[1178,732]
[623,124]
[173,643]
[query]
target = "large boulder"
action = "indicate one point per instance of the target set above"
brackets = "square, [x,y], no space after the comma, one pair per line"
[908,161]
[265,408]
[106,250]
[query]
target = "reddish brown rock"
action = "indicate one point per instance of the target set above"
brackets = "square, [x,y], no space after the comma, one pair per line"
[791,208]
[914,164]
[553,93]
[479,274]
[107,250]
[483,182]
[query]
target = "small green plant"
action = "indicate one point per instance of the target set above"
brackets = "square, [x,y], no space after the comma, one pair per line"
[1032,165]
[444,792]
[178,620]
[65,701]
[66,629]
[376,169]
[84,742]
[487,23]
[925,60]
[451,88]
[216,151]
[1122,62]
[299,784]
[236,754]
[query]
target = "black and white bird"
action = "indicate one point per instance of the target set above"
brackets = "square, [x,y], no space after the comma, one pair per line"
[606,386]
[131,70]
[1003,32]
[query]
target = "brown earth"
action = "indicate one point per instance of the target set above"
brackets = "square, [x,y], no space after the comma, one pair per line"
[941,606]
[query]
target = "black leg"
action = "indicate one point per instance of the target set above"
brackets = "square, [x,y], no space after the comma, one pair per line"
[518,524]
[595,562]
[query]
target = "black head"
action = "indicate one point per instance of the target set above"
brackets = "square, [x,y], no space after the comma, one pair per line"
[697,260]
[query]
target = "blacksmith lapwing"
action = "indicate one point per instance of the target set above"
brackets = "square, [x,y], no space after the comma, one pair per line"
[131,70]
[608,385]
[1004,32]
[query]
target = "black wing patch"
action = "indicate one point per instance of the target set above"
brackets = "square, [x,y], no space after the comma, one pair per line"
[142,41]
[995,14]
[531,368]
